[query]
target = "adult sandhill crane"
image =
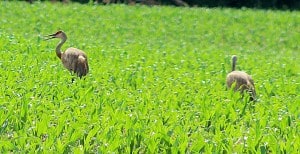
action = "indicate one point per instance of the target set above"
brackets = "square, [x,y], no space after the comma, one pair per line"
[241,80]
[73,59]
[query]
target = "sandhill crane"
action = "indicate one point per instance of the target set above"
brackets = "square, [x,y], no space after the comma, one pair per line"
[241,80]
[73,59]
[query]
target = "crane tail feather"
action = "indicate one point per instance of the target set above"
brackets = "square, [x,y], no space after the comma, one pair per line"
[82,66]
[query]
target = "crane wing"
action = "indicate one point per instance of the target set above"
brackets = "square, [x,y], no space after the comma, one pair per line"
[82,67]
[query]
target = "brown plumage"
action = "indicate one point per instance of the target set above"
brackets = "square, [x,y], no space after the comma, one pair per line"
[73,59]
[241,80]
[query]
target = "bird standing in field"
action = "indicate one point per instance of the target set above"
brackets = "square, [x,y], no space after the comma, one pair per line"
[241,80]
[73,59]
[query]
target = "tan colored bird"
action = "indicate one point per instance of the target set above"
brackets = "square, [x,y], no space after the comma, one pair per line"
[241,80]
[73,59]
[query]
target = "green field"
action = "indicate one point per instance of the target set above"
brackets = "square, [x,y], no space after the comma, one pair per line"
[156,81]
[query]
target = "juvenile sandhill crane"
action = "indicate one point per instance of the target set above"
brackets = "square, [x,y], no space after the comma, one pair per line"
[73,59]
[241,80]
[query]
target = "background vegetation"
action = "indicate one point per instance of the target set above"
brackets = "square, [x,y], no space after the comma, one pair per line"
[157,80]
[262,4]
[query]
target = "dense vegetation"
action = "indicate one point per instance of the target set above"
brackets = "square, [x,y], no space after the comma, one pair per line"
[262,4]
[156,82]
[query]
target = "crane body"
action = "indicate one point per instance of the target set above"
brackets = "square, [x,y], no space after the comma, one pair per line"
[75,60]
[241,80]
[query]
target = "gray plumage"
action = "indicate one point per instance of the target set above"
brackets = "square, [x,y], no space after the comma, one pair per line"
[242,81]
[73,59]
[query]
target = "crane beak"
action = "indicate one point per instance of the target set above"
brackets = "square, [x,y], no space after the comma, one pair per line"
[50,36]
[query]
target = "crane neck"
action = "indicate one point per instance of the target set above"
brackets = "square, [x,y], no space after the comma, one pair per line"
[233,64]
[58,47]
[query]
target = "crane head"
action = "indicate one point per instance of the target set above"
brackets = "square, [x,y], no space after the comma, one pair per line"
[58,34]
[234,58]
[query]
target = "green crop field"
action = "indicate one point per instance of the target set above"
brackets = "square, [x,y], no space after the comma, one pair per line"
[157,80]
